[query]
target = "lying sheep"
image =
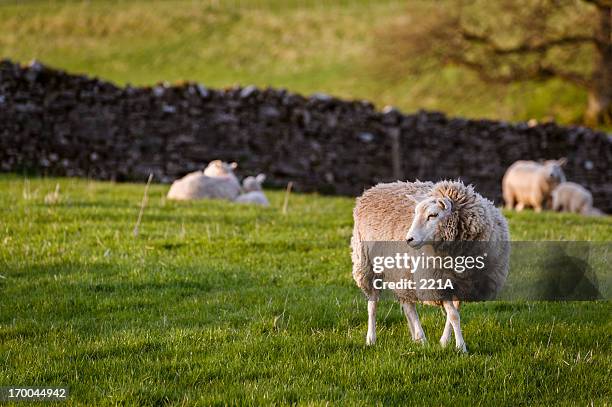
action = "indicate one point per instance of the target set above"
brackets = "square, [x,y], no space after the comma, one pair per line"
[528,183]
[218,168]
[446,211]
[253,193]
[198,185]
[572,197]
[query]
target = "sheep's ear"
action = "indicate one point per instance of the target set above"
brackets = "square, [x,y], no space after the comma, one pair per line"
[415,198]
[445,204]
[561,162]
[260,178]
[234,165]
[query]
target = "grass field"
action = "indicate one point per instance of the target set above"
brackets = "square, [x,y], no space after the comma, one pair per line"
[218,303]
[303,45]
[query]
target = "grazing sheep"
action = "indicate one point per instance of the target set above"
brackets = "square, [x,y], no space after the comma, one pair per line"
[253,193]
[446,211]
[528,183]
[572,197]
[199,185]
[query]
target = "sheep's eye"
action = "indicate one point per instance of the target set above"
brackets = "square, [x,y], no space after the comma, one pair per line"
[433,215]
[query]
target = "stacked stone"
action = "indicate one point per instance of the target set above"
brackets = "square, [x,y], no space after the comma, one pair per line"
[56,123]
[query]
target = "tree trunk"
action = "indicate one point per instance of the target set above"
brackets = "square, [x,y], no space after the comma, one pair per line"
[599,110]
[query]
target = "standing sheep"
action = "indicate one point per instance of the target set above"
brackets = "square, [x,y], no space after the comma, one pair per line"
[528,183]
[572,197]
[253,193]
[198,185]
[446,211]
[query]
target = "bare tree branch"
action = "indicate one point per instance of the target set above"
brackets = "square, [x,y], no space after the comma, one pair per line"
[600,3]
[568,76]
[518,73]
[485,74]
[525,47]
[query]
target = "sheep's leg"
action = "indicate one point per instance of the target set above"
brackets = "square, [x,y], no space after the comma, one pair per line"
[413,322]
[586,209]
[453,316]
[371,336]
[520,206]
[508,198]
[538,204]
[548,203]
[448,326]
[447,332]
[408,320]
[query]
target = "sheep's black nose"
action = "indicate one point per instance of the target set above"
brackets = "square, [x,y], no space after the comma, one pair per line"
[409,239]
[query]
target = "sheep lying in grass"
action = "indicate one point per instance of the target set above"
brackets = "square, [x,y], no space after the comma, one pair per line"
[253,193]
[218,168]
[446,211]
[528,183]
[572,197]
[220,184]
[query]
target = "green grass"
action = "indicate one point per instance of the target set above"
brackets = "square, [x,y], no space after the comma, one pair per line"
[219,303]
[303,45]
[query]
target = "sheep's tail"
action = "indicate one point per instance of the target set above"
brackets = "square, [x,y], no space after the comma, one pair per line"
[359,255]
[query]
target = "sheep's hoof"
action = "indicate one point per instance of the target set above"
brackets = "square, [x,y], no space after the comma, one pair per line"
[421,339]
[462,348]
[444,342]
[370,340]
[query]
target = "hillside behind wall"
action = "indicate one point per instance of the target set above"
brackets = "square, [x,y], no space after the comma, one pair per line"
[56,123]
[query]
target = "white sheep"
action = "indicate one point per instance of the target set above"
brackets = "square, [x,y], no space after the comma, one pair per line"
[572,197]
[218,168]
[198,185]
[446,211]
[253,193]
[528,183]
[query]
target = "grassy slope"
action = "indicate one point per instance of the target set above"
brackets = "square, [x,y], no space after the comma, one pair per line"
[218,302]
[303,45]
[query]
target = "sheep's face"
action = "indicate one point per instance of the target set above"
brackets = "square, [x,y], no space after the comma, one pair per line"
[429,215]
[219,168]
[250,184]
[553,171]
